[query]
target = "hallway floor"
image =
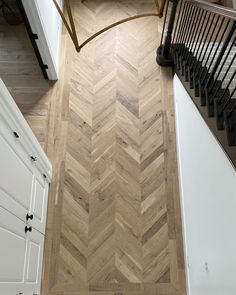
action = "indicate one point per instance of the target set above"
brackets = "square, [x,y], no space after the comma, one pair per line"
[114,224]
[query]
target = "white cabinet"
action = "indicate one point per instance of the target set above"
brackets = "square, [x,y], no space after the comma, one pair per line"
[23,186]
[25,174]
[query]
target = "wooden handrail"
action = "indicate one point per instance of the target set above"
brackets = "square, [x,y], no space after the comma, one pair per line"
[214,8]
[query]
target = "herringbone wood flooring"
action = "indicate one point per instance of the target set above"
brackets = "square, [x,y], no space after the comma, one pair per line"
[113,219]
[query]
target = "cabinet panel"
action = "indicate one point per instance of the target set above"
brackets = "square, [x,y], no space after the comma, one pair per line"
[33,271]
[13,251]
[16,178]
[33,262]
[39,202]
[21,256]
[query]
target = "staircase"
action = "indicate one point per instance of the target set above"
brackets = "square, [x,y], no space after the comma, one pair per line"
[199,41]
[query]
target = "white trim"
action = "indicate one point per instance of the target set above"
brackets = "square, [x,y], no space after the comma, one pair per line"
[186,257]
[38,27]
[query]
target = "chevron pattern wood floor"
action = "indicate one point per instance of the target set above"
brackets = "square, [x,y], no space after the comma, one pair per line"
[115,232]
[114,223]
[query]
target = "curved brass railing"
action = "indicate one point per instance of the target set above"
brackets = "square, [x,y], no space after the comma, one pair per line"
[70,25]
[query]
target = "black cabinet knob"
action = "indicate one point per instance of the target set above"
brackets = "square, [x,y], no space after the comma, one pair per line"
[16,134]
[28,229]
[31,216]
[34,159]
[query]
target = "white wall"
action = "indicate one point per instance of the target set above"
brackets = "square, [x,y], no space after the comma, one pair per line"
[46,23]
[208,197]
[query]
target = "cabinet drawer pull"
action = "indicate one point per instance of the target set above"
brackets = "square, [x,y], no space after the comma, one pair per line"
[31,216]
[28,229]
[16,134]
[34,159]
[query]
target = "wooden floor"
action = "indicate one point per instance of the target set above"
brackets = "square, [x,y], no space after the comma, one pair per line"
[114,223]
[21,73]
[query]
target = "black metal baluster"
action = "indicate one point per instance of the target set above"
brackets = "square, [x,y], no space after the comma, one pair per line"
[204,70]
[212,90]
[191,56]
[196,45]
[225,75]
[177,21]
[197,62]
[187,29]
[164,55]
[181,34]
[219,42]
[209,54]
[230,97]
[204,36]
[188,53]
[182,26]
[162,35]
[191,26]
[187,18]
[221,54]
[211,87]
[204,48]
[220,106]
[192,34]
[201,38]
[187,42]
[178,28]
[193,40]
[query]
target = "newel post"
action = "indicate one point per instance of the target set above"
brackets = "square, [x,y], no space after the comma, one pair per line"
[164,57]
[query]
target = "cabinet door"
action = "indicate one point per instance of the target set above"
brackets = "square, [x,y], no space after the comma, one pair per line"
[39,202]
[13,253]
[21,256]
[16,174]
[34,261]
